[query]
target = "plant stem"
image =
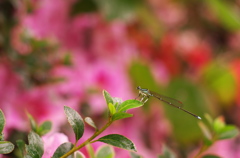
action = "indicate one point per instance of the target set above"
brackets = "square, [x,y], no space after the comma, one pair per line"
[88,140]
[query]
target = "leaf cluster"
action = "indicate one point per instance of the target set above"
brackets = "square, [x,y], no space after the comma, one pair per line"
[5,146]
[215,130]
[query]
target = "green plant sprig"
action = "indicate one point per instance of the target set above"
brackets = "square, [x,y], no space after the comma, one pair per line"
[117,110]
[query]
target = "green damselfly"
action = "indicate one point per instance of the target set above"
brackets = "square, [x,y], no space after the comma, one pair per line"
[144,95]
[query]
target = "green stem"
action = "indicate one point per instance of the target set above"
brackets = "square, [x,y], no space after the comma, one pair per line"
[205,147]
[87,141]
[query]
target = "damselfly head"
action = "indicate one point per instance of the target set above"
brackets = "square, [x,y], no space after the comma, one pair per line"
[138,87]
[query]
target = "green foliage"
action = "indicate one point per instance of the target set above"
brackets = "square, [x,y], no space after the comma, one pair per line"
[35,148]
[78,154]
[83,6]
[2,121]
[107,97]
[117,110]
[185,126]
[90,122]
[224,131]
[90,150]
[225,13]
[76,122]
[112,109]
[63,149]
[129,104]
[105,151]
[142,76]
[211,156]
[220,80]
[135,155]
[6,147]
[215,130]
[121,115]
[42,129]
[167,153]
[120,111]
[21,146]
[118,141]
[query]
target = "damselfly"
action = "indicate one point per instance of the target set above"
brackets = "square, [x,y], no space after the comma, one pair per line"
[144,94]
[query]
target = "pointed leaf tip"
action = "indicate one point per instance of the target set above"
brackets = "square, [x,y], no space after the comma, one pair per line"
[107,97]
[76,121]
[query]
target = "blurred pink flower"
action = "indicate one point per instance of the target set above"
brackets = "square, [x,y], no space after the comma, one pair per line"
[170,13]
[167,55]
[195,51]
[48,19]
[17,43]
[10,85]
[100,75]
[52,142]
[233,41]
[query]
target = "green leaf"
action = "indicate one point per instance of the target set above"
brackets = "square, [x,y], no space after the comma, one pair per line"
[78,154]
[121,115]
[221,82]
[218,124]
[167,153]
[134,155]
[206,132]
[89,121]
[44,128]
[118,141]
[90,150]
[76,121]
[207,142]
[129,104]
[107,97]
[228,132]
[33,123]
[193,100]
[63,149]
[112,109]
[105,151]
[226,14]
[6,147]
[211,156]
[35,147]
[209,119]
[2,121]
[21,146]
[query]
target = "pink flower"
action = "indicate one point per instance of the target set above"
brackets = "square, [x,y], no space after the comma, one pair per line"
[48,19]
[195,51]
[52,142]
[10,85]
[168,12]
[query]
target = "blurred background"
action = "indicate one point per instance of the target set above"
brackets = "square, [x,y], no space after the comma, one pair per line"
[56,53]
